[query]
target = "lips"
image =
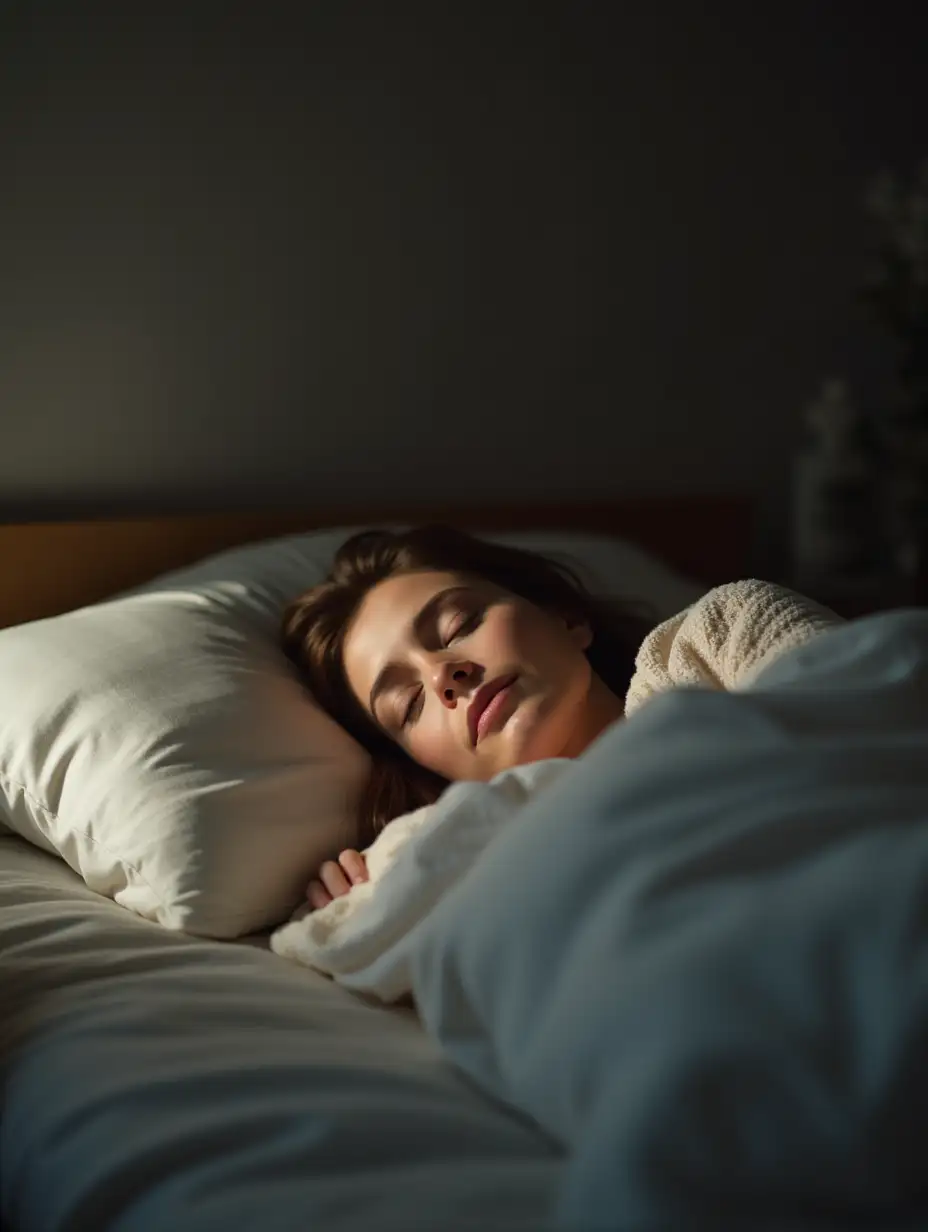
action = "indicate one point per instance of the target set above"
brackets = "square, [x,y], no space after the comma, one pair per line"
[482,699]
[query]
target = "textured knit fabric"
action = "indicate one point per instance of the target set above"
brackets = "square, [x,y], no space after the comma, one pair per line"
[724,639]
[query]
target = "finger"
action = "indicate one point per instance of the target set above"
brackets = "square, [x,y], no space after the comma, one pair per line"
[353,863]
[318,895]
[334,879]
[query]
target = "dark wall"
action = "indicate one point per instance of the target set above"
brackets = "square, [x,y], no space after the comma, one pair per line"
[344,252]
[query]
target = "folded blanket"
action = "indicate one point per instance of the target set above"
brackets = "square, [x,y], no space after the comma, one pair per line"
[363,939]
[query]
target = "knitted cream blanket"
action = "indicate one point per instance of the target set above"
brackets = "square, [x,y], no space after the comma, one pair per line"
[724,639]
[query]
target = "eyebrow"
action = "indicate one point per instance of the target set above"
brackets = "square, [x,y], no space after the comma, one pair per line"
[422,619]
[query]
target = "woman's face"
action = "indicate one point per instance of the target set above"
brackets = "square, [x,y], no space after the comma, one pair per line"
[466,677]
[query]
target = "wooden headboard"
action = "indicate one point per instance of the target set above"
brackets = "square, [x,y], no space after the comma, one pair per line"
[52,567]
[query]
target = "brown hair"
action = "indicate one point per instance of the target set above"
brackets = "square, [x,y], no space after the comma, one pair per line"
[315,623]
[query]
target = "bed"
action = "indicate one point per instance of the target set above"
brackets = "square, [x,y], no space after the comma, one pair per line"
[185,1076]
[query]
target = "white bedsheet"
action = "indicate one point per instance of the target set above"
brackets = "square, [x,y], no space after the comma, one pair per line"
[154,1081]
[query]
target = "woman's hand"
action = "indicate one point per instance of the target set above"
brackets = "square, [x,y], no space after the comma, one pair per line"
[336,879]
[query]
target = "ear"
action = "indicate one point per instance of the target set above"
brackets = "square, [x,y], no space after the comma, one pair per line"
[580,632]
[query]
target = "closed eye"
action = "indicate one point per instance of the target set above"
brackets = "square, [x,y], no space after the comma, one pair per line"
[463,627]
[414,709]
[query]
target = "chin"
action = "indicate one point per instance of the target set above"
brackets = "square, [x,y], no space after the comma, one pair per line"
[531,735]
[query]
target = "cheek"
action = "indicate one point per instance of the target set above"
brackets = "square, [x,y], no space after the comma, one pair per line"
[434,743]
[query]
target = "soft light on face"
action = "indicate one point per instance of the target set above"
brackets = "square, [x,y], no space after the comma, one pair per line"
[423,645]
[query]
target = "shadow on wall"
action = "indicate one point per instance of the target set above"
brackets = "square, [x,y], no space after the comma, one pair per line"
[406,252]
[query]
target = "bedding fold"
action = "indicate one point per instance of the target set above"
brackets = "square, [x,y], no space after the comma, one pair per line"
[709,980]
[698,959]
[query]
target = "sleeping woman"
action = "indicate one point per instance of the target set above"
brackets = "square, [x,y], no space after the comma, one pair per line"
[449,657]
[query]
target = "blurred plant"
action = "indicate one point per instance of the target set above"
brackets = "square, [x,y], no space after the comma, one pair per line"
[896,289]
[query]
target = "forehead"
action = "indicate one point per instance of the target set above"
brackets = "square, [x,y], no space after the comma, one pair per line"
[384,618]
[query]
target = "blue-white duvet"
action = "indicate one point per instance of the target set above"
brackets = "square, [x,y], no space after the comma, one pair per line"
[699,959]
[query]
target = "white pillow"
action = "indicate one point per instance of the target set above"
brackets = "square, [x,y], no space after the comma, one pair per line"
[162,745]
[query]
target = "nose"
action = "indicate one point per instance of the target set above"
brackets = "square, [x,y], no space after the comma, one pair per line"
[452,680]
